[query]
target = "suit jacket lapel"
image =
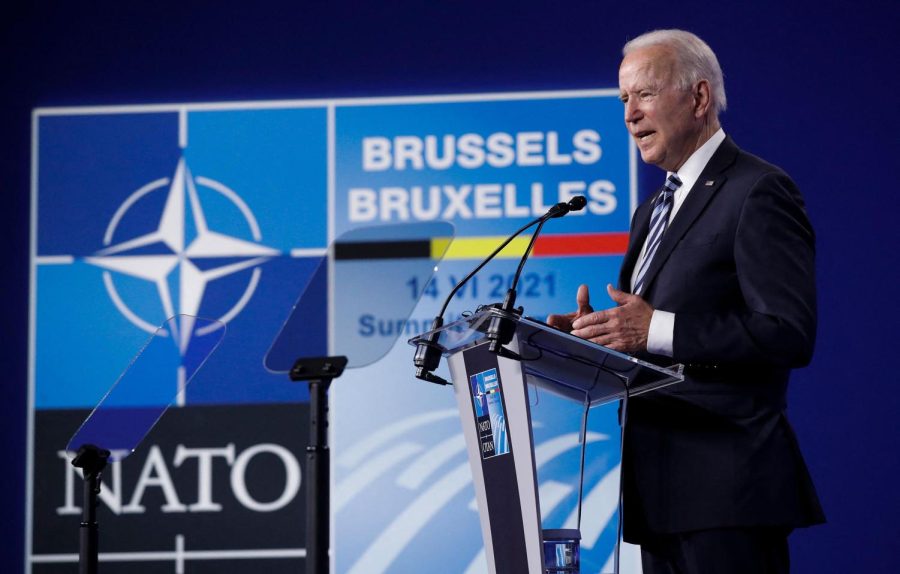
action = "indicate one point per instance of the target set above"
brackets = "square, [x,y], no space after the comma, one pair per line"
[693,206]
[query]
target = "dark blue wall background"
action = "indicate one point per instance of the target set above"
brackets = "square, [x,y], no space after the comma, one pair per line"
[812,87]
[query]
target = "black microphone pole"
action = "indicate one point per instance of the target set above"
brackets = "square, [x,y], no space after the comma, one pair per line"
[501,328]
[428,353]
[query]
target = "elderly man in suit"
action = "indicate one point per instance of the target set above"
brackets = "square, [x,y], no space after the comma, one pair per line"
[718,276]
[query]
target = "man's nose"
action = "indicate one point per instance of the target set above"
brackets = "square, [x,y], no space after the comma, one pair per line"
[632,111]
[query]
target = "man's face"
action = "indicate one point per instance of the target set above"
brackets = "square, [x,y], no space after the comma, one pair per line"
[658,114]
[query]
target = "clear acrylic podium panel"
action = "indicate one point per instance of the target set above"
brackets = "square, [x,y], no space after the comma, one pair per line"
[581,371]
[560,431]
[372,274]
[567,378]
[143,392]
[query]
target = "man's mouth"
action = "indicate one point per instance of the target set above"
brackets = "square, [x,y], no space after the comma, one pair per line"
[643,136]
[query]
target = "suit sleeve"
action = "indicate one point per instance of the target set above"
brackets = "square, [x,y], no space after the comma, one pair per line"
[774,255]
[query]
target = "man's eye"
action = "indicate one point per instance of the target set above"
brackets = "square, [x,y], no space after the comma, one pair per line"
[645,96]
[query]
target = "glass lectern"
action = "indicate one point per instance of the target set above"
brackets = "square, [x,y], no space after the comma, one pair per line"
[492,392]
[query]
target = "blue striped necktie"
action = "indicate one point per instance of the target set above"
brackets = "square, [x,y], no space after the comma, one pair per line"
[658,222]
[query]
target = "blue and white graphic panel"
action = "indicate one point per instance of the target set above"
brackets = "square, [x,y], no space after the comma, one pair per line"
[142,213]
[142,216]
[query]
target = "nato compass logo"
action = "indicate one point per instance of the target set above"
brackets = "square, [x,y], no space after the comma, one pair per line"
[181,255]
[141,215]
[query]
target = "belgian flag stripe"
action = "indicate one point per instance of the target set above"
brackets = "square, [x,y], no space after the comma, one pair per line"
[579,244]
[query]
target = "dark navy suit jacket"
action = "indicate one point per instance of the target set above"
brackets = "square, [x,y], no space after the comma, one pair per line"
[737,267]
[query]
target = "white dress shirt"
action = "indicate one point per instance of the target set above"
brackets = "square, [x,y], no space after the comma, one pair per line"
[662,323]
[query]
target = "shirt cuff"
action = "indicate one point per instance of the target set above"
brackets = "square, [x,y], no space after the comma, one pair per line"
[661,333]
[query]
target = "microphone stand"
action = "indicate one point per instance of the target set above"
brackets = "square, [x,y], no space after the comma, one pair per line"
[428,353]
[500,329]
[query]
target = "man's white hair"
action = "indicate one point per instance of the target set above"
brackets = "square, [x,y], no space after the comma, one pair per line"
[695,61]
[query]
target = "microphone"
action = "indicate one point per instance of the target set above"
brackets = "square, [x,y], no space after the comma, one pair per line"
[577,203]
[428,353]
[501,329]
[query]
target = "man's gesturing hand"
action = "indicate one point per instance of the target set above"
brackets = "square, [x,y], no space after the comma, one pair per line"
[564,322]
[623,328]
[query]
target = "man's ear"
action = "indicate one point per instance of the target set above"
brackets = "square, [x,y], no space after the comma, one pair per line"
[702,98]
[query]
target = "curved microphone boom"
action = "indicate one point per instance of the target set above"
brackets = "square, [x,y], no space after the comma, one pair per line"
[501,329]
[428,353]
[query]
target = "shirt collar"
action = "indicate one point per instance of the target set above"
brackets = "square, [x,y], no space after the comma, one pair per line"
[694,166]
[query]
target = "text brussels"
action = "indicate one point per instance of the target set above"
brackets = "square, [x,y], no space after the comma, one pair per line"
[485,199]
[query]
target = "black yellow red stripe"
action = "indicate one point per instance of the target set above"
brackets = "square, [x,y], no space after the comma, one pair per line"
[580,244]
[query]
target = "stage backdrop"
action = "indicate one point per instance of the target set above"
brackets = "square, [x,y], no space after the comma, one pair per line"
[810,89]
[224,211]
